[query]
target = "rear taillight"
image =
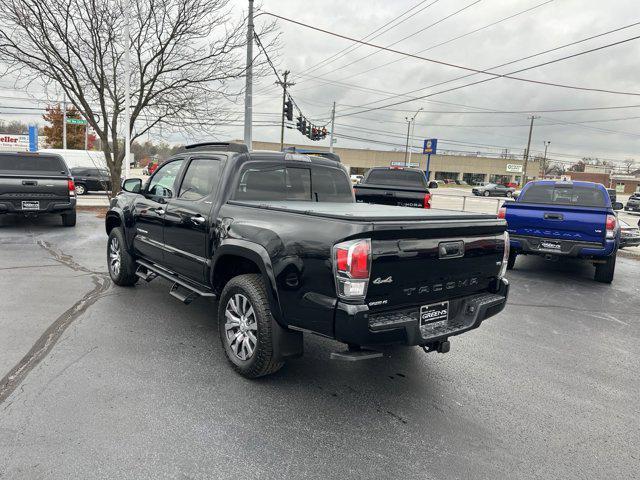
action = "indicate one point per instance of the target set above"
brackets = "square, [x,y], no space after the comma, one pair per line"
[505,256]
[611,226]
[426,202]
[502,212]
[72,187]
[352,265]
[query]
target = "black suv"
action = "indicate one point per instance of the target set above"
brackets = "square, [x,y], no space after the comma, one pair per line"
[633,204]
[279,240]
[91,180]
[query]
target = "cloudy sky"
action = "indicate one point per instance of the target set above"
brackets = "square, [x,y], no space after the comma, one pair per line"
[491,33]
[376,90]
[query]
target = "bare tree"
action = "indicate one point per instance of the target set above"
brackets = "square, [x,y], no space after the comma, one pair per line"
[628,165]
[186,58]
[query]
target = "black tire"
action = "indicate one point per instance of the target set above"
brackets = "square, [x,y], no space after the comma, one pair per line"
[604,271]
[486,193]
[511,262]
[81,189]
[69,219]
[125,274]
[261,362]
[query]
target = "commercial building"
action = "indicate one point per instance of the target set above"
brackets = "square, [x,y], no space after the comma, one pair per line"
[470,168]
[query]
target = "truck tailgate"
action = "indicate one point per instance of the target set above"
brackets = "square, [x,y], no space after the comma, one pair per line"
[385,195]
[425,262]
[16,189]
[560,222]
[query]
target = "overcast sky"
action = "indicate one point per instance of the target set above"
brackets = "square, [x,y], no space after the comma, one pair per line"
[367,76]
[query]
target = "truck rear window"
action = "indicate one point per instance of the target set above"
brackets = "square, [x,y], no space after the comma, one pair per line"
[565,195]
[396,178]
[276,182]
[32,163]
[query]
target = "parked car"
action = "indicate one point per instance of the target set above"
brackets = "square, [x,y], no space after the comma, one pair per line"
[152,167]
[565,219]
[493,190]
[633,204]
[278,239]
[613,195]
[629,235]
[461,182]
[91,180]
[478,184]
[33,184]
[511,184]
[449,181]
[404,187]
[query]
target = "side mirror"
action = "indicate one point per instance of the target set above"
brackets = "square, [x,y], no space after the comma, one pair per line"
[132,185]
[617,205]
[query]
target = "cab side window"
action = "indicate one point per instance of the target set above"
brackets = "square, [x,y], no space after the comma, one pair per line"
[161,184]
[201,179]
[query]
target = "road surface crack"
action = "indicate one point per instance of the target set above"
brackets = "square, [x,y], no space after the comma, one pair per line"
[50,337]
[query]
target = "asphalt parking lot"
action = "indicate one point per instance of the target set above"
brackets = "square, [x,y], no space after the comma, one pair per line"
[104,382]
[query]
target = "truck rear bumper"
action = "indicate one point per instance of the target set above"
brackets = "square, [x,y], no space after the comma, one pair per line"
[52,207]
[355,324]
[568,248]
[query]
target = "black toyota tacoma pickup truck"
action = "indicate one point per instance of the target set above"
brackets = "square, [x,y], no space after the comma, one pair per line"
[404,187]
[278,239]
[33,184]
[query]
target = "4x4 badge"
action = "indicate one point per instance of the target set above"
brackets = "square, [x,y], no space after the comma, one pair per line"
[380,280]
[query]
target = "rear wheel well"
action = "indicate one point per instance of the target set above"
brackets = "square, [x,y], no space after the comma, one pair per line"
[229,266]
[112,222]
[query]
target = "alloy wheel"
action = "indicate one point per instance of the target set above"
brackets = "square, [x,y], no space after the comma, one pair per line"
[241,326]
[114,256]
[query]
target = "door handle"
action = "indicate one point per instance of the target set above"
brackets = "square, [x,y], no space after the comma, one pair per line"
[198,219]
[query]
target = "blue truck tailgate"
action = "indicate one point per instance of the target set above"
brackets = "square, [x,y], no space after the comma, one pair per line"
[561,222]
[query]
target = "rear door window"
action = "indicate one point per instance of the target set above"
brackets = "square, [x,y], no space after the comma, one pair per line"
[565,195]
[398,178]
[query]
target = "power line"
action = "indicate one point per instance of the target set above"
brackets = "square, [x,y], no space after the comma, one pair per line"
[369,36]
[475,70]
[406,37]
[528,57]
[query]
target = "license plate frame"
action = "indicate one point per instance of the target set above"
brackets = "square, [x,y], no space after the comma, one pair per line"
[550,245]
[30,205]
[434,312]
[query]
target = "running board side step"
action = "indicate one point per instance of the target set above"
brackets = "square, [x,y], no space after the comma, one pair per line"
[355,355]
[181,289]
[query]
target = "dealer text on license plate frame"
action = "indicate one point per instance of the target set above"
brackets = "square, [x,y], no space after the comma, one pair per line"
[435,312]
[30,205]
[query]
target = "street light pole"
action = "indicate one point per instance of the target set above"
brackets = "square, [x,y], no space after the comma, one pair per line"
[248,91]
[413,127]
[333,125]
[127,88]
[544,162]
[526,153]
[64,122]
[409,123]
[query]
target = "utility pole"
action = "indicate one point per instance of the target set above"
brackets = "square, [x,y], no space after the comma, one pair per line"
[544,162]
[406,147]
[248,91]
[526,153]
[284,84]
[127,88]
[64,122]
[333,124]
[86,136]
[413,127]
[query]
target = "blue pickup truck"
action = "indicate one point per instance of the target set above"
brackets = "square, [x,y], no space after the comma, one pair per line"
[565,219]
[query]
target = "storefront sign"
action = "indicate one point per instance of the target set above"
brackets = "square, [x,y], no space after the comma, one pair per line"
[514,168]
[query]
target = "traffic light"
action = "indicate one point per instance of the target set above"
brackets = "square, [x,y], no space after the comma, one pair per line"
[308,131]
[288,110]
[299,124]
